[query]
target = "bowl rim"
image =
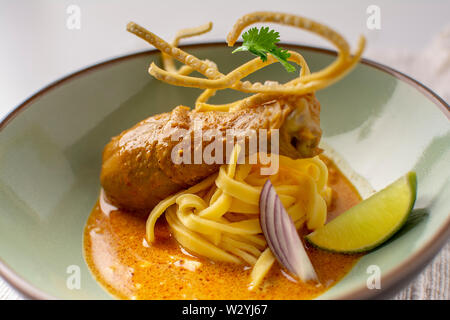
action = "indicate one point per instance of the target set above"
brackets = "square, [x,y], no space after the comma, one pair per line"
[390,280]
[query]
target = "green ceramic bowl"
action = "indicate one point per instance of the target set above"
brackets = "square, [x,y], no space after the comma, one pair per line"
[378,122]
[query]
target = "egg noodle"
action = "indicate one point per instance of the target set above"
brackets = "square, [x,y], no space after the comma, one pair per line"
[218,218]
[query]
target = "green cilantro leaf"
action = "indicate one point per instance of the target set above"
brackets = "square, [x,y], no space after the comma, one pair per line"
[263,41]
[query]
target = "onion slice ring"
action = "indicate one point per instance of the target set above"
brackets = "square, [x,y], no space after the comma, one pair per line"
[282,237]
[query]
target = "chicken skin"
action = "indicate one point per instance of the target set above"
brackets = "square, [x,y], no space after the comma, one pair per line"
[138,169]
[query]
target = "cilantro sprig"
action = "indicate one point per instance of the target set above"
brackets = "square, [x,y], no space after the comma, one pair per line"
[263,41]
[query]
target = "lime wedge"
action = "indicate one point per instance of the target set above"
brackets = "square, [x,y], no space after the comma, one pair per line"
[371,222]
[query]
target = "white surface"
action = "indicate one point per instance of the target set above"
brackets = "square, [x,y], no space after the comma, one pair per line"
[37,48]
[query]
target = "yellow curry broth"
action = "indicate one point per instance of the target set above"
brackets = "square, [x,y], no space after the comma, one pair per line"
[124,264]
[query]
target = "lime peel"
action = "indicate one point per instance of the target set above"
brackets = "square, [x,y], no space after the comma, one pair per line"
[371,222]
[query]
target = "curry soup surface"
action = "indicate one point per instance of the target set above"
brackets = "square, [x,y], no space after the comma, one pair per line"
[127,267]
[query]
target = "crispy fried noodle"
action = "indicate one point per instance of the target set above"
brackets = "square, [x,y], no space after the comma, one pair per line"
[218,218]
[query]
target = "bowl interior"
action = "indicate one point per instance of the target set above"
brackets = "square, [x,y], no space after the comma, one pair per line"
[50,158]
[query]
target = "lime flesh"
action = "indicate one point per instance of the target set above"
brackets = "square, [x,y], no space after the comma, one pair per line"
[371,222]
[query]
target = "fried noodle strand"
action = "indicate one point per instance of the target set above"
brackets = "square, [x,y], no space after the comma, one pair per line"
[305,83]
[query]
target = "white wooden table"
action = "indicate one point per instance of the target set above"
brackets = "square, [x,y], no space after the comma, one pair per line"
[433,283]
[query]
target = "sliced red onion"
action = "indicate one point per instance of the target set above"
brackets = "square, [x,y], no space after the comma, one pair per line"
[281,235]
